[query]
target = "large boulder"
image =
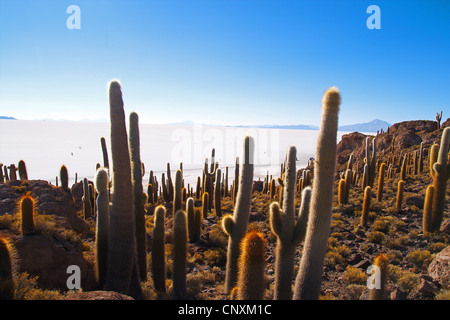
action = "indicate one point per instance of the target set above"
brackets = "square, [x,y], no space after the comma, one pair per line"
[48,258]
[439,268]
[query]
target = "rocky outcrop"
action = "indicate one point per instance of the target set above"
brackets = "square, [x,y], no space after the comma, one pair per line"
[50,200]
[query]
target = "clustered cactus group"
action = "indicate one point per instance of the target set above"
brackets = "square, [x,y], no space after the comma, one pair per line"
[118,202]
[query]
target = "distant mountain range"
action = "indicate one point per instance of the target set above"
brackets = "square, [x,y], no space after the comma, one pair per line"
[372,126]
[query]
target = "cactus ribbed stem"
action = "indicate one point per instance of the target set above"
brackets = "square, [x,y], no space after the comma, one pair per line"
[158,250]
[241,214]
[309,277]
[102,230]
[122,268]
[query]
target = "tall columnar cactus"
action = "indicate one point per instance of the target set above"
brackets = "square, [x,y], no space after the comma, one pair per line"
[27,208]
[341,191]
[309,277]
[440,174]
[404,168]
[7,283]
[290,231]
[379,291]
[428,210]
[102,230]
[198,190]
[12,172]
[366,205]
[122,275]
[217,193]
[438,119]
[104,152]
[226,182]
[179,254]
[381,175]
[400,192]
[272,188]
[23,175]
[252,267]
[158,250]
[64,178]
[177,194]
[2,177]
[169,183]
[236,178]
[421,154]
[236,226]
[190,219]
[371,160]
[348,183]
[208,184]
[432,157]
[86,198]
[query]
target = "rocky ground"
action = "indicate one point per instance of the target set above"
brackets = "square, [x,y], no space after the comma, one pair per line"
[419,266]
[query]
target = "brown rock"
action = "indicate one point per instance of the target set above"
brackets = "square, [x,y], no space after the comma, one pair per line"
[49,258]
[439,268]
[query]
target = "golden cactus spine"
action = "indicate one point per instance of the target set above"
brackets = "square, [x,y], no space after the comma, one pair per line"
[251,273]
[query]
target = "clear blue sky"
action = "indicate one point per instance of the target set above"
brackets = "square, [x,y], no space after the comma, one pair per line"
[225,62]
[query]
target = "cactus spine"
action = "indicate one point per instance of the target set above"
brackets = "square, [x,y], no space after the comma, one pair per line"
[102,230]
[440,174]
[158,250]
[27,211]
[308,280]
[251,267]
[179,254]
[122,273]
[285,226]
[236,226]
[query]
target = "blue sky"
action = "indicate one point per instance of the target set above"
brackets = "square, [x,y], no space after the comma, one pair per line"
[231,62]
